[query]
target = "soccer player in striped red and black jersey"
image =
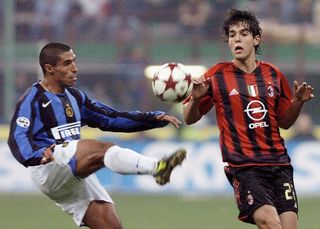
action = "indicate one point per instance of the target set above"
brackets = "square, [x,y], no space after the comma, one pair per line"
[252,100]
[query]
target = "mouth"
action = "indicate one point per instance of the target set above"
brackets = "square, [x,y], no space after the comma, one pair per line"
[74,78]
[238,49]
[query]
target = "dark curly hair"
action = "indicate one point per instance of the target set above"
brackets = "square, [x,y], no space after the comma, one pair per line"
[247,17]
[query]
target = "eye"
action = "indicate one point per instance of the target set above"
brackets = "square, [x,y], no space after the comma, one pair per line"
[245,33]
[66,63]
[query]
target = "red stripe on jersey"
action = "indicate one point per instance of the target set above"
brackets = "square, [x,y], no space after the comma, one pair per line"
[247,111]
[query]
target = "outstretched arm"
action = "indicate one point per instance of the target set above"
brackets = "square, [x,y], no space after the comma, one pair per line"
[191,111]
[168,118]
[302,93]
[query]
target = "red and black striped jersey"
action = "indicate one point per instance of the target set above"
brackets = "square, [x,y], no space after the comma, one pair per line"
[248,109]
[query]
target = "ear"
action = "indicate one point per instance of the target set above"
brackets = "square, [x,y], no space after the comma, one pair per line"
[256,40]
[48,68]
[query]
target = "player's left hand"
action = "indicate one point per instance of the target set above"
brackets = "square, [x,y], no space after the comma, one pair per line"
[303,92]
[169,118]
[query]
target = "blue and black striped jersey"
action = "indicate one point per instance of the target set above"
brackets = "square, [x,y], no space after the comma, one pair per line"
[42,118]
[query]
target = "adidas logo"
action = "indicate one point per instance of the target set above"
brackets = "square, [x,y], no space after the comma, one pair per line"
[233,92]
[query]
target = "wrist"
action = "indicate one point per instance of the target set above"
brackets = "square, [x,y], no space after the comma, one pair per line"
[297,101]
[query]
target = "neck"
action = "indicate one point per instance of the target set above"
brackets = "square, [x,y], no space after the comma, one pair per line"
[51,88]
[246,66]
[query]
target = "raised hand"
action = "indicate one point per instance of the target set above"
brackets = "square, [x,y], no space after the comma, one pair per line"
[200,87]
[303,92]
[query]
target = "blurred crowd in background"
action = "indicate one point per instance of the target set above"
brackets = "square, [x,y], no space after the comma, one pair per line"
[133,29]
[125,20]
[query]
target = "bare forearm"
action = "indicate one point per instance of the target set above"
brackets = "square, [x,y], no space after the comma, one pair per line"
[291,115]
[191,113]
[302,94]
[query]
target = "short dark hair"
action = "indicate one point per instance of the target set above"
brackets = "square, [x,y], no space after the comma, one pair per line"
[51,52]
[234,16]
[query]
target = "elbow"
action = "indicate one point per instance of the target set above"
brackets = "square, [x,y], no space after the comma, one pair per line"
[191,117]
[285,125]
[189,120]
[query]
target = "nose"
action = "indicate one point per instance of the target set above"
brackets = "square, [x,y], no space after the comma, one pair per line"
[237,37]
[74,67]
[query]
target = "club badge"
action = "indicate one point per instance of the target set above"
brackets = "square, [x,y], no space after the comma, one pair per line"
[69,111]
[270,91]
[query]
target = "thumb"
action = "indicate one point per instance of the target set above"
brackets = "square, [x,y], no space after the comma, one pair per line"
[295,85]
[52,147]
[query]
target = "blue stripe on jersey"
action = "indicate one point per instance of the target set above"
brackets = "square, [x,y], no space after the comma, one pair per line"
[74,103]
[21,135]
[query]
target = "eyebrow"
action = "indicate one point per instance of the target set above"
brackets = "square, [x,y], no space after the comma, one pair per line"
[241,30]
[71,59]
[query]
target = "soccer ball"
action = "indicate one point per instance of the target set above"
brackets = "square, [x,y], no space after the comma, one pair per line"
[172,83]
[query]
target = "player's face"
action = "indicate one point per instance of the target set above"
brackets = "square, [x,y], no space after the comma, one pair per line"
[65,71]
[241,42]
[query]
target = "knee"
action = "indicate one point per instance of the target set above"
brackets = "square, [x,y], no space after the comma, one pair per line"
[268,222]
[104,146]
[117,226]
[113,224]
[267,217]
[98,151]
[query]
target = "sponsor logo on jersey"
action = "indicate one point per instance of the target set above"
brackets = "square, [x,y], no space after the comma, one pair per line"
[233,92]
[253,90]
[256,111]
[44,105]
[67,130]
[23,122]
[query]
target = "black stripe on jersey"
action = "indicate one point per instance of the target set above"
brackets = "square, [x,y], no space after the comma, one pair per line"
[277,92]
[231,128]
[240,78]
[46,114]
[276,87]
[67,103]
[264,97]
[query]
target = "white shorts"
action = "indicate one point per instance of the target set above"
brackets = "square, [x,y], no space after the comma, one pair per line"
[70,193]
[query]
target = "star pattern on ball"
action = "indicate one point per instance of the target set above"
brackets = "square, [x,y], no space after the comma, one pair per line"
[171,83]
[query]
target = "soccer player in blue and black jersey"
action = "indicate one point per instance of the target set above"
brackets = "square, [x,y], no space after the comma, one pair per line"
[252,100]
[45,137]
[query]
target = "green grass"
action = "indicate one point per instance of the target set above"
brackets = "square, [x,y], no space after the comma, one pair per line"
[20,211]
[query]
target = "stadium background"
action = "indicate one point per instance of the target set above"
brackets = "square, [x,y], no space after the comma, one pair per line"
[114,41]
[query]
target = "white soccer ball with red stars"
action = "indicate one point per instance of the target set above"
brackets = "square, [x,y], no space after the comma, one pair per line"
[172,83]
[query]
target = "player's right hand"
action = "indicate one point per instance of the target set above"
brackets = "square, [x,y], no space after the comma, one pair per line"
[200,87]
[169,118]
[47,155]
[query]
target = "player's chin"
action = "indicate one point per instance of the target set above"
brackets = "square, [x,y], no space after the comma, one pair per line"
[240,57]
[72,82]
